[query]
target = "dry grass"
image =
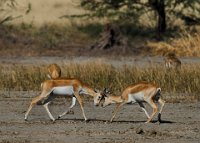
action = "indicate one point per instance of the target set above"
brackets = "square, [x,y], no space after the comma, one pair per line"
[59,40]
[187,45]
[48,40]
[177,85]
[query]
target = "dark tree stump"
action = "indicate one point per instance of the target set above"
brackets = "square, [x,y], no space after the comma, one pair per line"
[109,38]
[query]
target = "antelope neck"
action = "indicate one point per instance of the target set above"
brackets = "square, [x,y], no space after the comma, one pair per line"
[116,99]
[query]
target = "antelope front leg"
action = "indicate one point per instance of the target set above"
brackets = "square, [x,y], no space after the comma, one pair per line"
[162,103]
[117,108]
[81,105]
[155,109]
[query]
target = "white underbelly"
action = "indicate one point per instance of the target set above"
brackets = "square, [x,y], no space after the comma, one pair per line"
[63,90]
[136,97]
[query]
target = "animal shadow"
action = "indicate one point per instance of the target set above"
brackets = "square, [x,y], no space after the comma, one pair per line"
[120,121]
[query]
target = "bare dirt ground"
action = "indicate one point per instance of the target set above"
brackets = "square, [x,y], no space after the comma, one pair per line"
[181,122]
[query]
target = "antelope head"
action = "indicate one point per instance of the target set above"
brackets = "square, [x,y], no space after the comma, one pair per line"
[101,95]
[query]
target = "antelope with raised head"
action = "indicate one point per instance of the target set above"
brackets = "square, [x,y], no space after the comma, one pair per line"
[172,61]
[54,71]
[64,87]
[138,93]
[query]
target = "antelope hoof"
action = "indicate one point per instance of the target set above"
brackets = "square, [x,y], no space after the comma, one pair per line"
[71,112]
[53,120]
[87,120]
[107,122]
[59,117]
[147,121]
[111,120]
[25,118]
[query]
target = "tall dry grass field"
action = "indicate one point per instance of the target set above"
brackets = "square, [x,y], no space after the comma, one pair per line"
[186,45]
[183,84]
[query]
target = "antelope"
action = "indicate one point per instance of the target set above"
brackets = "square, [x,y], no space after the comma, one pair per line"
[64,87]
[138,93]
[172,61]
[54,71]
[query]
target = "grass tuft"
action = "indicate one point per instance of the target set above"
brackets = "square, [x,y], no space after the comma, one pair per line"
[186,45]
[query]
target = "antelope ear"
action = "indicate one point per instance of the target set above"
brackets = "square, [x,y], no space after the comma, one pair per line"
[96,90]
[107,91]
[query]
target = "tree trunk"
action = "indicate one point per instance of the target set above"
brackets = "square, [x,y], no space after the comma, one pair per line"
[159,7]
[110,37]
[161,17]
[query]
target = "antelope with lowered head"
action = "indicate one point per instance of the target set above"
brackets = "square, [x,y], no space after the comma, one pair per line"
[64,87]
[138,93]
